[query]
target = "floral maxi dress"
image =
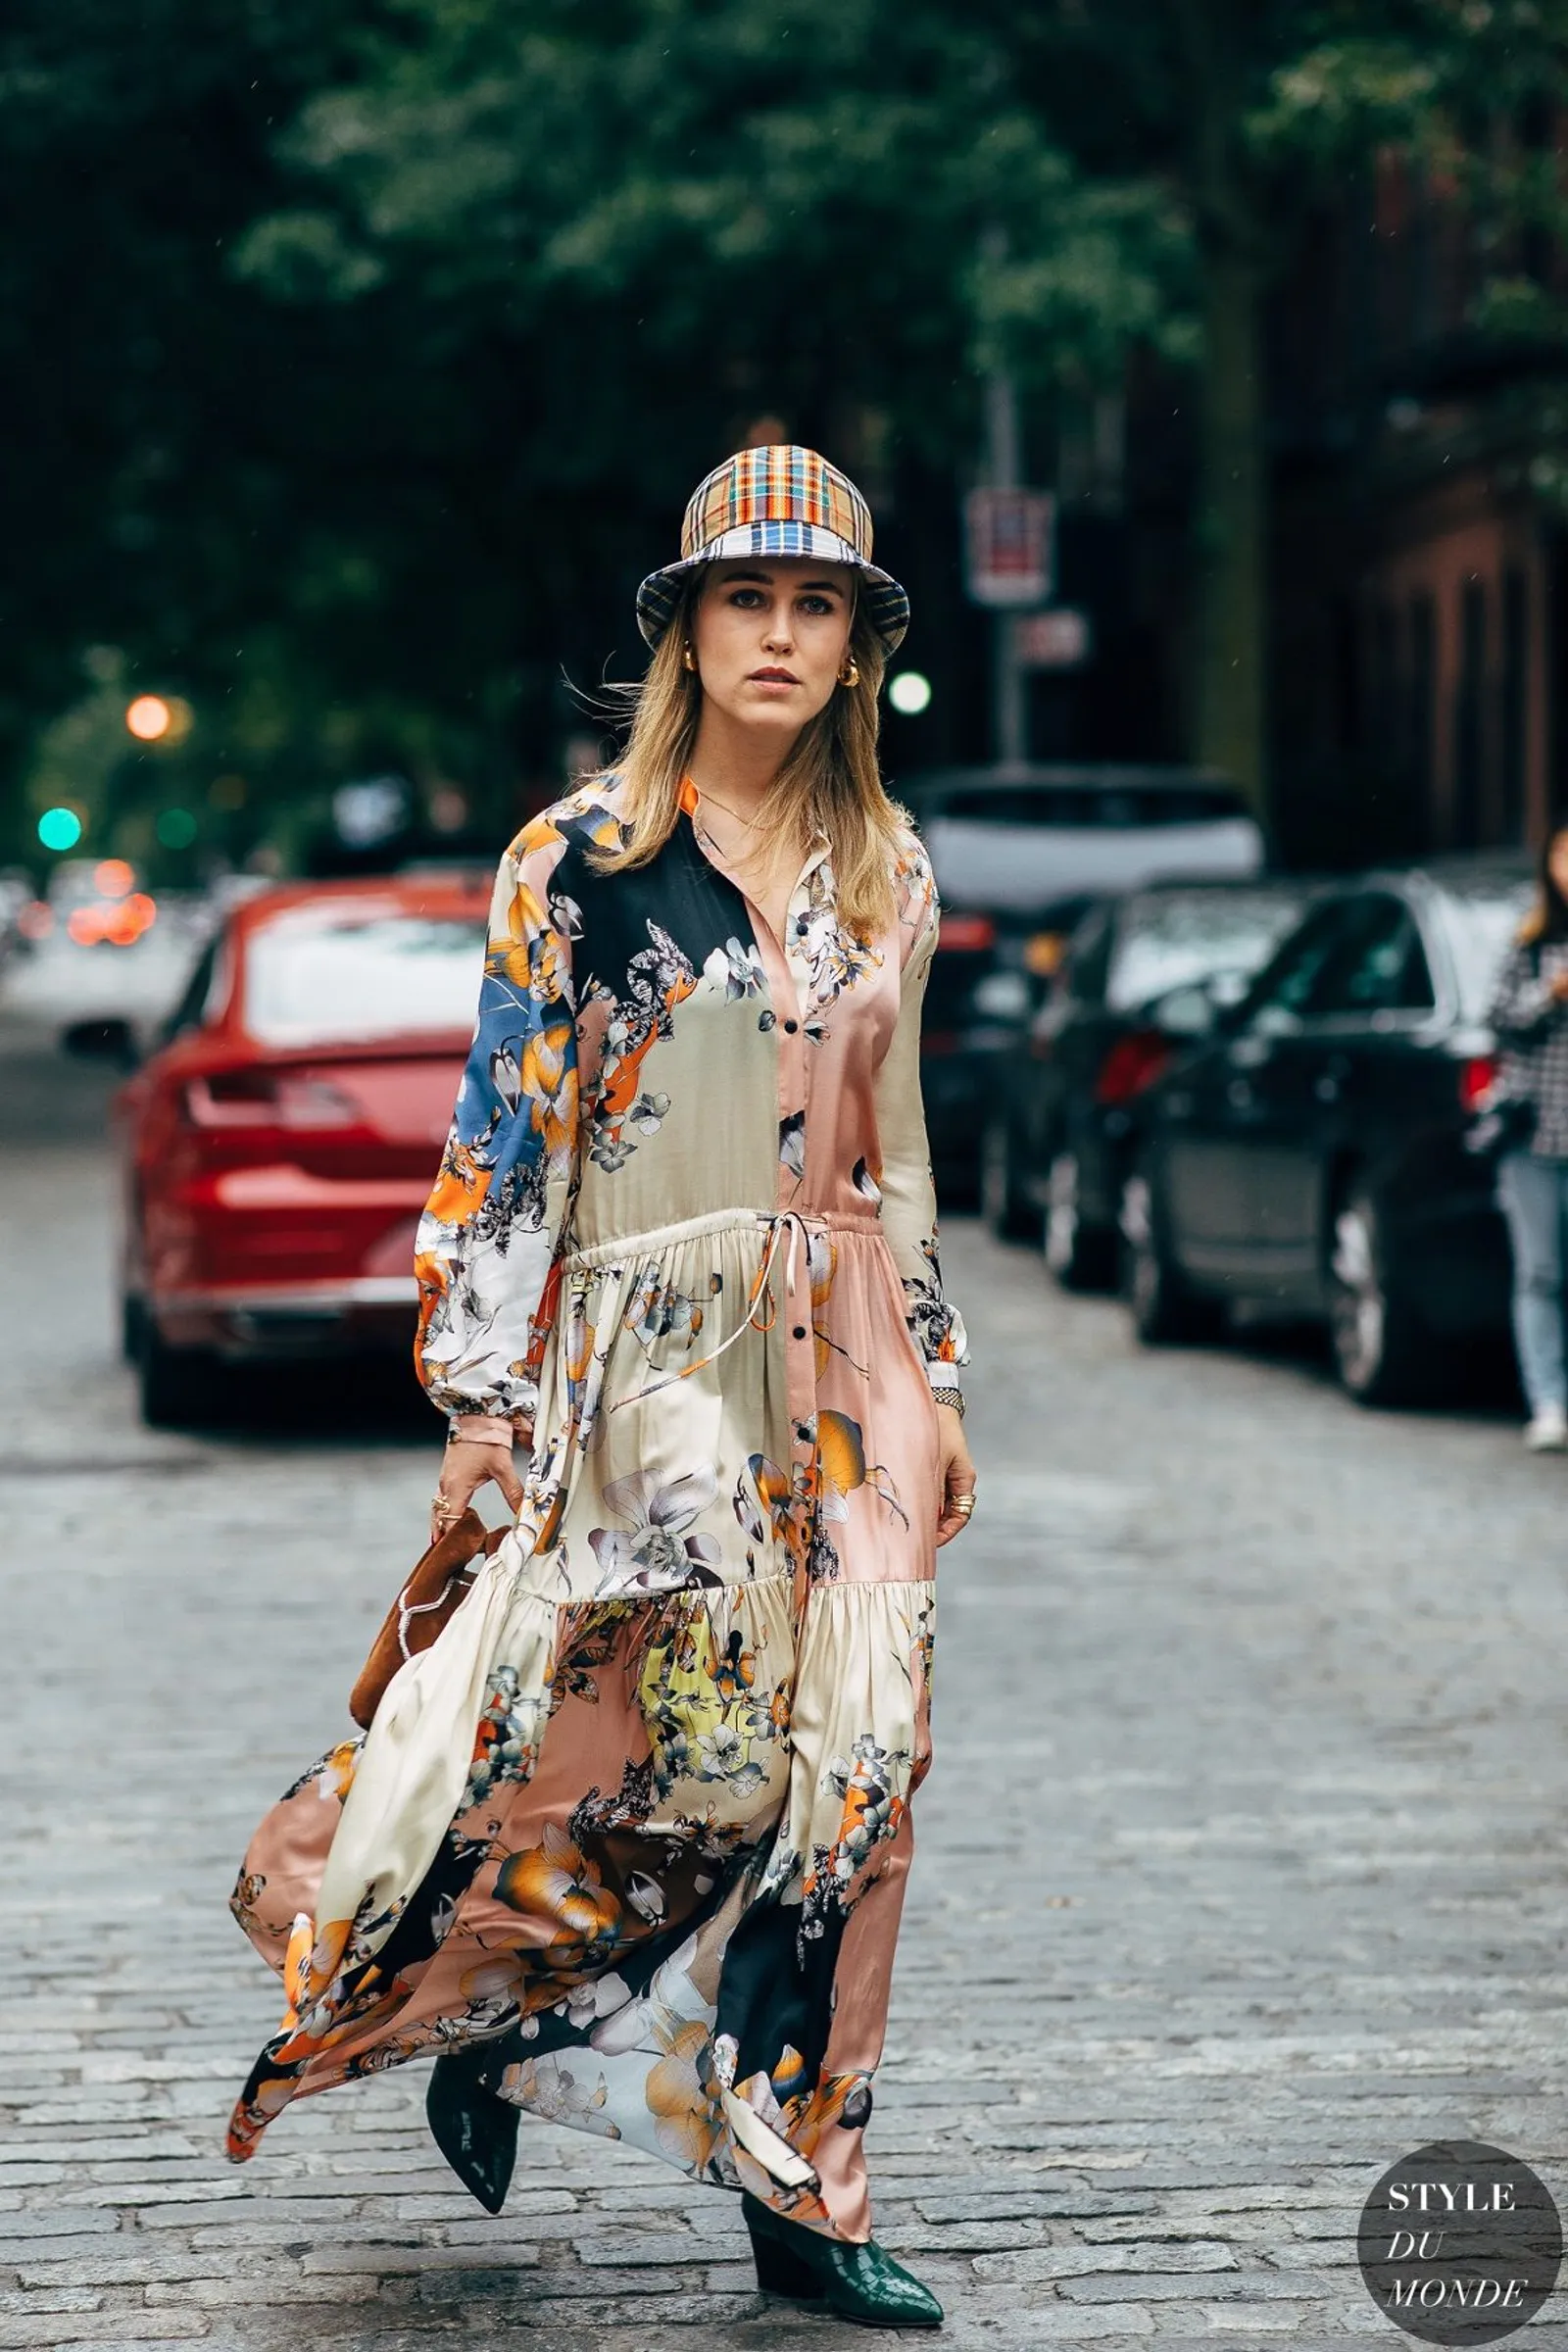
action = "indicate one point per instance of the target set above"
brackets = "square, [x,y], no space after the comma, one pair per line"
[638,1821]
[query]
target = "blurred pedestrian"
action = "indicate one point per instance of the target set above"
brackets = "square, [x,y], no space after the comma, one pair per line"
[627,1843]
[1530,1014]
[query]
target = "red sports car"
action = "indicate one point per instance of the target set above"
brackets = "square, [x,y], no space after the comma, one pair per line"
[278,1146]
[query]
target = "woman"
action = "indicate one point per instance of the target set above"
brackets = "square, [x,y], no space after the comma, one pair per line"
[1530,1013]
[627,1844]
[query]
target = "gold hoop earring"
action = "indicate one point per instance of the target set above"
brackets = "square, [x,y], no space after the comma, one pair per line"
[688,660]
[850,675]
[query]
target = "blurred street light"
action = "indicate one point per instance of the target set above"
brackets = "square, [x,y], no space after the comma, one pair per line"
[910,693]
[148,717]
[112,878]
[175,828]
[60,828]
[166,719]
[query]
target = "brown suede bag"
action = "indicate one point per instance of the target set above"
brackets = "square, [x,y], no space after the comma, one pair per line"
[431,1594]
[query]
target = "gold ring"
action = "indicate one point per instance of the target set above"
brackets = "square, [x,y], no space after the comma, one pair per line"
[441,1507]
[964,1505]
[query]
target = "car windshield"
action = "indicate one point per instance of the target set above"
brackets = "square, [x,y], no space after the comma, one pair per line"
[330,974]
[1096,806]
[1182,935]
[1481,935]
[1018,848]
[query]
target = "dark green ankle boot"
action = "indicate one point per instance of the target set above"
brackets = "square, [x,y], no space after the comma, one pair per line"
[855,2282]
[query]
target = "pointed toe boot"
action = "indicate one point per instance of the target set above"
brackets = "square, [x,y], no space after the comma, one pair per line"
[861,2284]
[476,2132]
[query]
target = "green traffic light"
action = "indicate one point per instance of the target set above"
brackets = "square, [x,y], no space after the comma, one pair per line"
[60,828]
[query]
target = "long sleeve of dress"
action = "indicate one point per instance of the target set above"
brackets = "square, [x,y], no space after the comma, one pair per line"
[488,1238]
[1523,1006]
[908,1194]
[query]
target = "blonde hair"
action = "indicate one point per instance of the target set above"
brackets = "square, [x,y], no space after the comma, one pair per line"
[829,781]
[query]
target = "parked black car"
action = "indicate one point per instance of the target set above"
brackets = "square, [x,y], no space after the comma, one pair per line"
[984,977]
[1311,1155]
[1054,1146]
[1018,854]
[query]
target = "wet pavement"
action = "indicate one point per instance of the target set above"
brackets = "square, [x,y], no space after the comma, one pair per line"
[1241,1867]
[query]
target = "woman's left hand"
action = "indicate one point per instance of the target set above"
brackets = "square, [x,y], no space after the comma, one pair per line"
[955,1473]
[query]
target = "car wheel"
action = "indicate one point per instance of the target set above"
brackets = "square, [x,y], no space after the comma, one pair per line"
[1082,1257]
[1381,1351]
[1164,1309]
[1009,1216]
[178,1386]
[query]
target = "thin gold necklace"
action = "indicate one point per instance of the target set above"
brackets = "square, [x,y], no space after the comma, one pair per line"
[750,822]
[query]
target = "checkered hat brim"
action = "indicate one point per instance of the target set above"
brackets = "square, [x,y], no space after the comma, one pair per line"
[781,499]
[886,605]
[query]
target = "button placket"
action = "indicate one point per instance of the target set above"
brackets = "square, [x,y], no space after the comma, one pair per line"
[794,1089]
[794,1076]
[792,1010]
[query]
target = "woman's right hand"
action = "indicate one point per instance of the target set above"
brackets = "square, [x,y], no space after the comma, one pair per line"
[466,1467]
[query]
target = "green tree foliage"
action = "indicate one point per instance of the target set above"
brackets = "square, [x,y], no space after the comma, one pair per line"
[135,143]
[358,358]
[398,348]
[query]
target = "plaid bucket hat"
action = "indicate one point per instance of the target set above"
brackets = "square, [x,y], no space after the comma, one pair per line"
[778,501]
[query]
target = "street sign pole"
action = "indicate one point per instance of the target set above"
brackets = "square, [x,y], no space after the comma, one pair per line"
[1003,468]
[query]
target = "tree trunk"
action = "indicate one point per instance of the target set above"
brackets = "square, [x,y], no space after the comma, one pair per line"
[1232,527]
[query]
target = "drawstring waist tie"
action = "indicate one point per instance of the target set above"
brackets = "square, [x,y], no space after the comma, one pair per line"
[790,1227]
[620,1246]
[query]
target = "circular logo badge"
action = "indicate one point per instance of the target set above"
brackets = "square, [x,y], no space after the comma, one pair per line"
[1460,2244]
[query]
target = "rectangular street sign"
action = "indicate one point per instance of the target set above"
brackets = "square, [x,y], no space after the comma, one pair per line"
[1060,639]
[1008,546]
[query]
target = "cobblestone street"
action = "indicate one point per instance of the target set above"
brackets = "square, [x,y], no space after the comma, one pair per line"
[1241,1866]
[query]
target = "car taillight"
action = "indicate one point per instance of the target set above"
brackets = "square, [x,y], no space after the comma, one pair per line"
[971,931]
[1132,1063]
[119,921]
[229,1099]
[1477,1078]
